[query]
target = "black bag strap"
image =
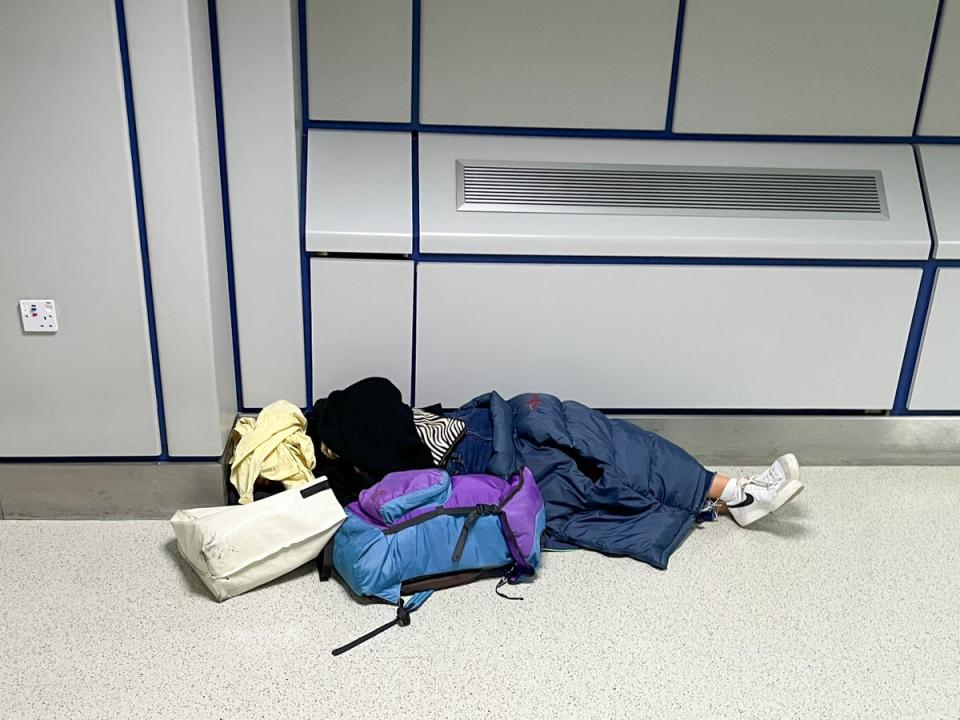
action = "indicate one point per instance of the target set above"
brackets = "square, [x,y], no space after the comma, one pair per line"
[481,510]
[477,512]
[402,619]
[325,562]
[504,581]
[314,488]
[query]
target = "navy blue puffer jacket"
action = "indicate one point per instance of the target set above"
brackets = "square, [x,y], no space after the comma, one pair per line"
[607,485]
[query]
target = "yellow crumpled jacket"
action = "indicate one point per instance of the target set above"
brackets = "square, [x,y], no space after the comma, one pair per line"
[274,446]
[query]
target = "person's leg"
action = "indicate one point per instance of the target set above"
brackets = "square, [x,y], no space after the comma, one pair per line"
[473,451]
[717,487]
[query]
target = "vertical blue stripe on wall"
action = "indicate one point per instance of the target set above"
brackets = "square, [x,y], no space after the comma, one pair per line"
[141,223]
[921,310]
[915,339]
[225,197]
[929,65]
[415,185]
[675,68]
[415,66]
[415,228]
[305,279]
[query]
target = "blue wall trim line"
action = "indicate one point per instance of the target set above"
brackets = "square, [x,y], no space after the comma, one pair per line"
[921,310]
[414,67]
[415,227]
[915,338]
[141,222]
[632,260]
[225,197]
[35,460]
[304,65]
[305,279]
[675,69]
[872,412]
[701,261]
[359,255]
[927,206]
[359,125]
[931,413]
[743,411]
[765,412]
[415,187]
[928,66]
[628,134]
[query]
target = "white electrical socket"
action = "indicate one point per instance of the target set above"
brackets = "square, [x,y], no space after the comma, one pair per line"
[39,316]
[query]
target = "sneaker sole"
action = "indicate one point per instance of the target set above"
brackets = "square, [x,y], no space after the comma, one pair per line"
[789,492]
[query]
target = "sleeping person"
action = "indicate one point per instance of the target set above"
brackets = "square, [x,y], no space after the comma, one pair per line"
[607,484]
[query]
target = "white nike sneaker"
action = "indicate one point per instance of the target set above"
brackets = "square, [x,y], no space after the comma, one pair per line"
[762,494]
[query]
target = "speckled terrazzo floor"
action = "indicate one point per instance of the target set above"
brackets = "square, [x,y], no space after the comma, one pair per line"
[844,605]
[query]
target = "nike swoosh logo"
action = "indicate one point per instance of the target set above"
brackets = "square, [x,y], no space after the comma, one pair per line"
[748,501]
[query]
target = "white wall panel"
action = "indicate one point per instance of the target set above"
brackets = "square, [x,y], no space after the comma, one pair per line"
[176,124]
[550,63]
[665,336]
[941,105]
[359,56]
[259,67]
[362,320]
[941,170]
[445,229]
[68,230]
[826,67]
[359,192]
[936,385]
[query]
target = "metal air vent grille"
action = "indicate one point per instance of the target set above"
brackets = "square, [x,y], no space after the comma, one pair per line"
[509,186]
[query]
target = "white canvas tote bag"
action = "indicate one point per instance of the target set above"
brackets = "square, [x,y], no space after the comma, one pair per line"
[237,548]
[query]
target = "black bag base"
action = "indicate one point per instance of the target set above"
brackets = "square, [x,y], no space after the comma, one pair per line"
[441,581]
[444,581]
